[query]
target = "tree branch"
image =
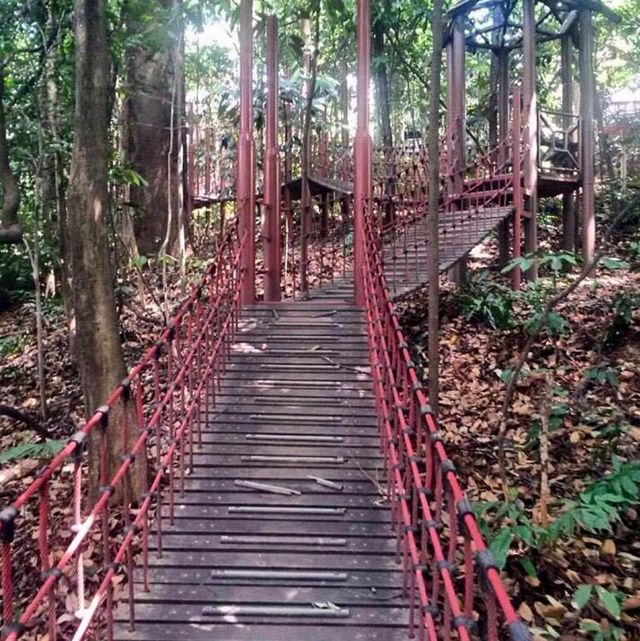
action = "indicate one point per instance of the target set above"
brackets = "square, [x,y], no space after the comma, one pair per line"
[26,419]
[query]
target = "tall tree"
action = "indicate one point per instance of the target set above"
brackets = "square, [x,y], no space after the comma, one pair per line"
[10,229]
[98,348]
[154,108]
[381,79]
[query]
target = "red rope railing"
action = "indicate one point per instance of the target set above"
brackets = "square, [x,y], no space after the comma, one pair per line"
[451,579]
[163,399]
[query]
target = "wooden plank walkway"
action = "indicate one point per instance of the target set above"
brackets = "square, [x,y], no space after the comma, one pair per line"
[241,564]
[405,256]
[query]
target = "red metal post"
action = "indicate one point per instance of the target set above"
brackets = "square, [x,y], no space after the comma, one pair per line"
[272,258]
[587,100]
[459,107]
[451,81]
[516,142]
[191,152]
[362,146]
[568,200]
[246,178]
[502,61]
[531,131]
[458,161]
[207,160]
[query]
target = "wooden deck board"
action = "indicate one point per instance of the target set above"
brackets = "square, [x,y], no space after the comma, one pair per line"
[279,384]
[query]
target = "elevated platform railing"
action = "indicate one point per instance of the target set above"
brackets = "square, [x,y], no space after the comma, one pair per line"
[558,143]
[155,416]
[450,576]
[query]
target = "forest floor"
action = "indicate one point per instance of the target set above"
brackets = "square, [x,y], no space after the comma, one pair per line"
[579,401]
[575,418]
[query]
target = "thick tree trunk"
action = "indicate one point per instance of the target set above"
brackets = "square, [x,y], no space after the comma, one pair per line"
[384,112]
[381,79]
[151,117]
[98,349]
[10,229]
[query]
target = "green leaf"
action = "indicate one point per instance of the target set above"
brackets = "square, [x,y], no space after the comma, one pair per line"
[610,601]
[581,596]
[523,262]
[500,546]
[528,567]
[611,262]
[589,625]
[32,450]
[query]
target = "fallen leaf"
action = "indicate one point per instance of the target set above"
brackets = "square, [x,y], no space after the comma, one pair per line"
[552,611]
[525,612]
[608,548]
[632,603]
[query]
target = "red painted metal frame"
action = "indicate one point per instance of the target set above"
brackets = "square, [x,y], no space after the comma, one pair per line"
[272,225]
[168,392]
[246,176]
[436,528]
[362,144]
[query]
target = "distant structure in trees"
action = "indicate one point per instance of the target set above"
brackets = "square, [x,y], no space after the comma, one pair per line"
[557,146]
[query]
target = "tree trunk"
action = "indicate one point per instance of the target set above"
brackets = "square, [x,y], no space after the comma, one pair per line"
[152,133]
[433,269]
[10,229]
[98,349]
[381,80]
[55,199]
[606,159]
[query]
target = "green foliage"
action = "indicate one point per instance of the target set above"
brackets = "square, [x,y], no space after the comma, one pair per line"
[556,262]
[596,509]
[601,504]
[31,450]
[613,263]
[500,545]
[603,375]
[15,269]
[486,301]
[609,600]
[598,632]
[559,261]
[554,323]
[623,305]
[12,345]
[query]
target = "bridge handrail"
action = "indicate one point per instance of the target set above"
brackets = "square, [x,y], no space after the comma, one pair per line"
[411,441]
[195,347]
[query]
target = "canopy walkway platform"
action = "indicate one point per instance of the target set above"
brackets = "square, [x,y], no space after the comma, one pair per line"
[283,529]
[279,473]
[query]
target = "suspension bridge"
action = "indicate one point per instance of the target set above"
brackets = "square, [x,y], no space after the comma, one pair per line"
[296,483]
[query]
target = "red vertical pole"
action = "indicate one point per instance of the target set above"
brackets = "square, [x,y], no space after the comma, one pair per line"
[531,131]
[272,170]
[451,83]
[191,151]
[458,105]
[207,160]
[362,146]
[587,100]
[516,142]
[246,178]
[503,140]
[568,200]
